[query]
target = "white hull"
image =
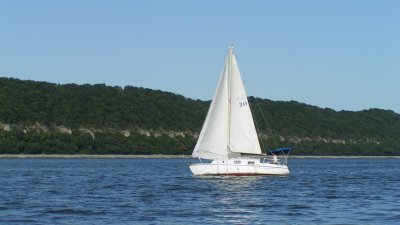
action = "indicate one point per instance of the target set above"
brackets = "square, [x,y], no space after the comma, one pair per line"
[233,168]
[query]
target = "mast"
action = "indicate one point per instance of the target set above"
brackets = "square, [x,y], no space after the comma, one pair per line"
[230,49]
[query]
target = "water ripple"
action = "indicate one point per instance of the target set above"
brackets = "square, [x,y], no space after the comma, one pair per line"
[163,191]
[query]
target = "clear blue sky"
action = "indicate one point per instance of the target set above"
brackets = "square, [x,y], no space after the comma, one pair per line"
[341,54]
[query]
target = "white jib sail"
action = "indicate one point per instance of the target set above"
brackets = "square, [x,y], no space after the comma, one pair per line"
[229,125]
[213,139]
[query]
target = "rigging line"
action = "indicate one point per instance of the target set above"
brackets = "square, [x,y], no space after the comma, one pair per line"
[268,127]
[257,128]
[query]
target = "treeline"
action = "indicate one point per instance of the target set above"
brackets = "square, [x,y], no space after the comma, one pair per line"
[316,131]
[97,105]
[107,110]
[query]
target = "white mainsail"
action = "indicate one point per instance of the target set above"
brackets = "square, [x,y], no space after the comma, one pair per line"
[243,135]
[229,126]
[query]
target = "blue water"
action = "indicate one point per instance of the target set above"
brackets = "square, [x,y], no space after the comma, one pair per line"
[163,191]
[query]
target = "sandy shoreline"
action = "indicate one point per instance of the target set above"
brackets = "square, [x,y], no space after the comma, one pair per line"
[61,156]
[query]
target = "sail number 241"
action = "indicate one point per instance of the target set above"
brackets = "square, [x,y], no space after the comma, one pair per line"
[243,104]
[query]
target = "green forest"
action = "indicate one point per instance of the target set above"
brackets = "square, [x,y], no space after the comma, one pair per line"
[46,118]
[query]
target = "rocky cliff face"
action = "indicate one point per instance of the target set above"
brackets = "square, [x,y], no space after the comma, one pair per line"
[40,128]
[268,140]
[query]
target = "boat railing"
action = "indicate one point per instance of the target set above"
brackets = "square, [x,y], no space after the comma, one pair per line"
[279,156]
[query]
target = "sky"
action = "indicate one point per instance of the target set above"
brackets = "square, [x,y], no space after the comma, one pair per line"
[342,54]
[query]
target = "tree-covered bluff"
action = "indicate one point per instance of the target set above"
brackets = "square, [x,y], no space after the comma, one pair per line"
[41,117]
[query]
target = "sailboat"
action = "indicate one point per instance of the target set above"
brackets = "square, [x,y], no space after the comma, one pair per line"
[228,140]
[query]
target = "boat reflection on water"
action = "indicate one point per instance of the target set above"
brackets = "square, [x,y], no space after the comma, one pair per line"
[235,198]
[231,183]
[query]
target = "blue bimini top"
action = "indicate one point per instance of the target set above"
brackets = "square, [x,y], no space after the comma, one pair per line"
[280,151]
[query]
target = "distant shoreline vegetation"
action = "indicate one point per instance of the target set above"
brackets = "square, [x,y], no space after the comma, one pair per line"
[159,156]
[47,118]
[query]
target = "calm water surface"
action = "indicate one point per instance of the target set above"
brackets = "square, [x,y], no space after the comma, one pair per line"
[163,191]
